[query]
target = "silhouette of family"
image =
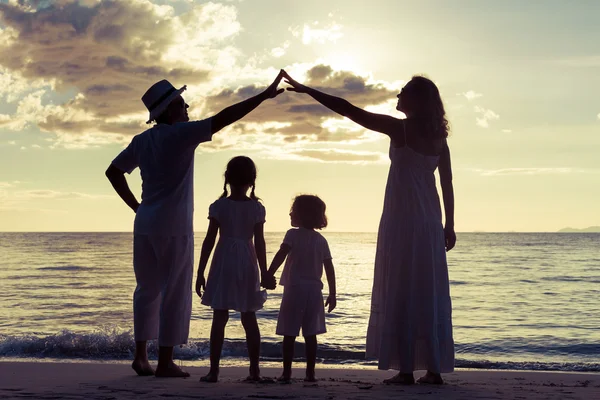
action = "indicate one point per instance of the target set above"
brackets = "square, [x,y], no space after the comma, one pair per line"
[410,324]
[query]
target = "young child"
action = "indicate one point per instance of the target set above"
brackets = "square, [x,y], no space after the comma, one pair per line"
[233,281]
[307,252]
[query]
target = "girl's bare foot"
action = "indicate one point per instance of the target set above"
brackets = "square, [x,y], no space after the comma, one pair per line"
[211,377]
[431,378]
[310,376]
[142,368]
[170,370]
[400,379]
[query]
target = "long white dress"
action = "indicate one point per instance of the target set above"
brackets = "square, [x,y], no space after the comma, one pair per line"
[410,326]
[234,280]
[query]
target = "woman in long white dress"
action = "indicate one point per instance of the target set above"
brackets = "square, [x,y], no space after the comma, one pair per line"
[410,326]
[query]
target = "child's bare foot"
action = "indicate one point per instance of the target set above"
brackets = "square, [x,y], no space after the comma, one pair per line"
[142,368]
[170,370]
[211,377]
[431,378]
[400,379]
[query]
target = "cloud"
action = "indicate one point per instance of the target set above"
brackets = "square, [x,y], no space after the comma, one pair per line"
[280,51]
[591,61]
[338,156]
[6,184]
[470,95]
[530,171]
[53,194]
[598,116]
[108,53]
[311,33]
[486,116]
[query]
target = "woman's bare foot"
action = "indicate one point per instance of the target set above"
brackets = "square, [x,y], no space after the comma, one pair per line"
[170,370]
[400,379]
[211,377]
[142,368]
[431,378]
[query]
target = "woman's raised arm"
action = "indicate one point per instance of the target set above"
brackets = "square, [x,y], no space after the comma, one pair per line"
[376,122]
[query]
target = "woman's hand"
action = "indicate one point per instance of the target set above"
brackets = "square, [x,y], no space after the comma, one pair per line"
[295,86]
[272,91]
[450,236]
[200,285]
[331,302]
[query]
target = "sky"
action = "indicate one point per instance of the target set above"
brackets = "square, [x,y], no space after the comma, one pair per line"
[520,82]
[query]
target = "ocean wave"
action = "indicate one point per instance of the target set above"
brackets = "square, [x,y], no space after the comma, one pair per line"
[65,268]
[112,344]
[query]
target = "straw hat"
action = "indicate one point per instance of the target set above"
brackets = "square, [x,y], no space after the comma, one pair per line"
[159,96]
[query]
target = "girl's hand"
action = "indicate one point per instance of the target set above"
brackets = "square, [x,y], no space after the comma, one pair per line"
[450,236]
[295,86]
[331,302]
[200,285]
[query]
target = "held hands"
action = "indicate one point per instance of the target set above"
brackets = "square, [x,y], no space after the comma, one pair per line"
[331,302]
[268,281]
[200,285]
[272,91]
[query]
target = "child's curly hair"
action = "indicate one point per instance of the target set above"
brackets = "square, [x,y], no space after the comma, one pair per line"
[310,211]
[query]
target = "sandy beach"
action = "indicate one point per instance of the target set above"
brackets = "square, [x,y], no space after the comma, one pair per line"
[43,380]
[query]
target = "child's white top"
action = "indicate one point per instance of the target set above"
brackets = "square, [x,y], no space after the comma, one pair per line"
[233,280]
[304,263]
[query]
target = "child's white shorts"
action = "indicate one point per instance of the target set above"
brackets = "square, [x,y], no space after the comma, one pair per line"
[301,307]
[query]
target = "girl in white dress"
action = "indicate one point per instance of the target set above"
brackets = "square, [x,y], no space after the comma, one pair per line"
[302,306]
[410,327]
[234,280]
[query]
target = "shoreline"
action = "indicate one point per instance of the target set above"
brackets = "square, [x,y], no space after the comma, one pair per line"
[101,380]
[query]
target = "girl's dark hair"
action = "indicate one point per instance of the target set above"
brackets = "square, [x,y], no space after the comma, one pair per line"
[310,211]
[427,106]
[240,171]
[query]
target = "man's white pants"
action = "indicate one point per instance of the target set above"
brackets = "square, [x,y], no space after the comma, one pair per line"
[162,302]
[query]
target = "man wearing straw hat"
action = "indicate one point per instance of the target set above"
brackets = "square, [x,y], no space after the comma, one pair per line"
[163,243]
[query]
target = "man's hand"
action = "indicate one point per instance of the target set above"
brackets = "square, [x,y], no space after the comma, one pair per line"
[331,302]
[272,91]
[200,285]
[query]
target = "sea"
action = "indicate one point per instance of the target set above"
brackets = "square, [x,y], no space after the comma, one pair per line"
[521,301]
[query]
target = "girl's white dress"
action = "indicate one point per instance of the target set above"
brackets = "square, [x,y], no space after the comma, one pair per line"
[234,278]
[410,326]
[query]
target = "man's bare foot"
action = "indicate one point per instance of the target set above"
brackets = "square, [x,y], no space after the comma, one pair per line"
[211,377]
[254,375]
[400,379]
[431,378]
[142,368]
[170,370]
